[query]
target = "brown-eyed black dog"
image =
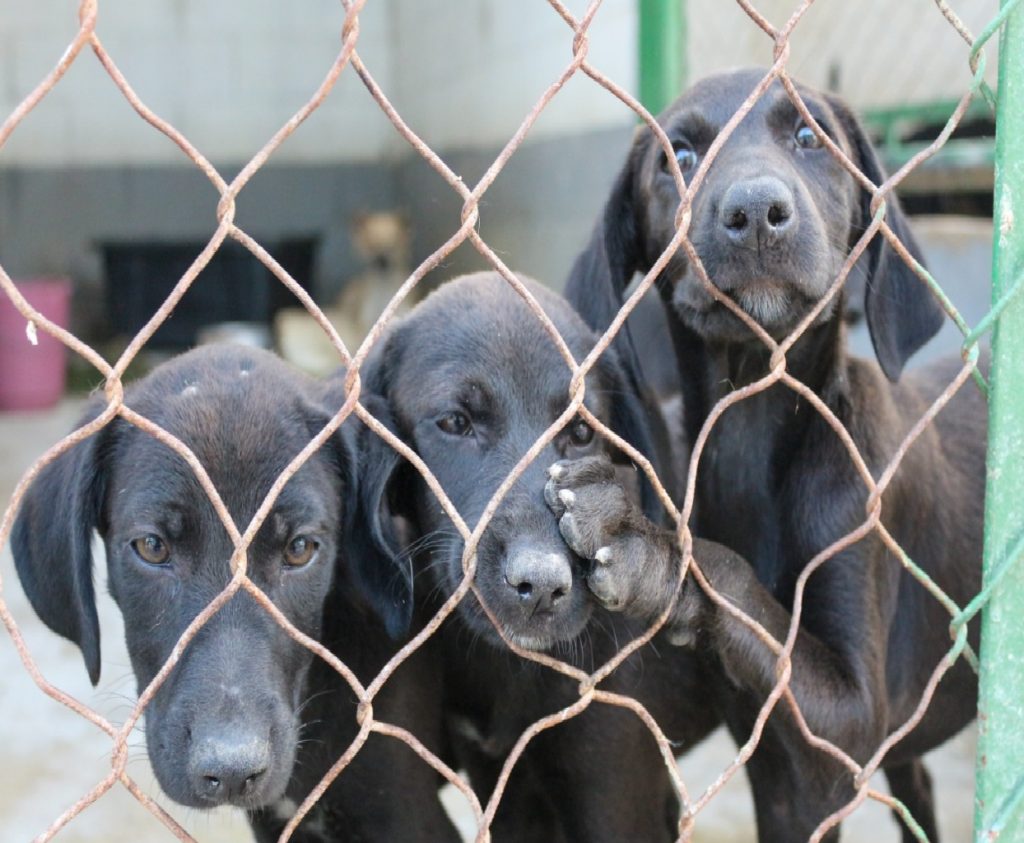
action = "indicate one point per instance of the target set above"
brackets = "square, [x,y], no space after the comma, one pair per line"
[247,717]
[772,224]
[470,380]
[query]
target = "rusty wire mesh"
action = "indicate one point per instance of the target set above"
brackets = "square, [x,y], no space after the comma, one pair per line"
[348,60]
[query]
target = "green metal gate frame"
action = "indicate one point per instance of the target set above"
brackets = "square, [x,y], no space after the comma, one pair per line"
[999,788]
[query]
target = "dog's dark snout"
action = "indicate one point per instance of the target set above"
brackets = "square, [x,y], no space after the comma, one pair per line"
[228,767]
[540,579]
[758,211]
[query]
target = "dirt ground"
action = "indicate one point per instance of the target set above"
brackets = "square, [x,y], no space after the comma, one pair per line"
[50,757]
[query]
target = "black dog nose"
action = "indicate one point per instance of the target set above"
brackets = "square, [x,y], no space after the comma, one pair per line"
[226,768]
[541,579]
[757,212]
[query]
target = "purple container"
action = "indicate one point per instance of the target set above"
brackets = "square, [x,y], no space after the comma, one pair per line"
[32,376]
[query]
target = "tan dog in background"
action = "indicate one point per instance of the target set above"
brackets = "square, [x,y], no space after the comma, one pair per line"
[382,239]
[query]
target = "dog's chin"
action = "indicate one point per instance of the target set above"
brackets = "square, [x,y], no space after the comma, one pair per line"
[538,634]
[777,306]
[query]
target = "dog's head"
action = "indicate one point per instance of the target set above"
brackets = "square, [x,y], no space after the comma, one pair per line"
[772,222]
[224,726]
[470,380]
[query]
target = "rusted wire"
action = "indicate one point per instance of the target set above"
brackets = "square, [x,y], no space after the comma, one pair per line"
[590,692]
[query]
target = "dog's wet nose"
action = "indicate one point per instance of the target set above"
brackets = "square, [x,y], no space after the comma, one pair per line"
[757,212]
[227,768]
[541,579]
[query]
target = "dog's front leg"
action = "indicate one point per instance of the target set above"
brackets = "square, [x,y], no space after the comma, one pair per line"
[636,571]
[635,562]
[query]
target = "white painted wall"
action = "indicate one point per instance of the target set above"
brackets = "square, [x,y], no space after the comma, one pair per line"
[468,72]
[887,52]
[227,73]
[463,73]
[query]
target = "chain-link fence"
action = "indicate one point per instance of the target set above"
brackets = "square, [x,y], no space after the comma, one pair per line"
[485,806]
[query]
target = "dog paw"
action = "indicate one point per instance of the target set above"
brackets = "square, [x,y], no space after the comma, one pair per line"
[598,520]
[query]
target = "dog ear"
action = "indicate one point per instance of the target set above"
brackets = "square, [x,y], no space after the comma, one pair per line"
[902,314]
[636,419]
[52,539]
[596,290]
[383,570]
[603,270]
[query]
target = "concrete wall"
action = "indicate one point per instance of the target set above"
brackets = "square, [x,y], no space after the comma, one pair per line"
[84,168]
[463,73]
[468,71]
[227,74]
[872,52]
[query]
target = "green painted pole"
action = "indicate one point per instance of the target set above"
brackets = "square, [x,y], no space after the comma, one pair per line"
[662,44]
[999,789]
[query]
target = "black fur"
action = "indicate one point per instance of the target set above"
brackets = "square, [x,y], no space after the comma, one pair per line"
[247,717]
[472,347]
[772,224]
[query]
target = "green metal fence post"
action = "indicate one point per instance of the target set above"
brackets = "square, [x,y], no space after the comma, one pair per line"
[999,794]
[662,44]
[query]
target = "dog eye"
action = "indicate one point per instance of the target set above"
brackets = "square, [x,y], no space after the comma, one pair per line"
[455,424]
[581,433]
[805,137]
[300,551]
[151,549]
[686,157]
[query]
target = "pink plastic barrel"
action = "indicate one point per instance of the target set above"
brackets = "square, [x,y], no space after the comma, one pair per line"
[32,376]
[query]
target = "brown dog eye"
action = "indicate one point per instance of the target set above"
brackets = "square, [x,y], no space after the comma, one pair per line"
[300,551]
[151,549]
[581,433]
[455,424]
[805,137]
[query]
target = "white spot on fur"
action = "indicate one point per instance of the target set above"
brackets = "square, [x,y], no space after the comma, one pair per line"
[567,497]
[190,389]
[556,471]
[765,302]
[603,555]
[312,827]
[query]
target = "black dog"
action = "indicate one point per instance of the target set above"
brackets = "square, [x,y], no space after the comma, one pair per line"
[470,380]
[247,717]
[772,223]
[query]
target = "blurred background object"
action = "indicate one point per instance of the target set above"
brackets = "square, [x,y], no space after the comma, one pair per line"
[32,363]
[381,239]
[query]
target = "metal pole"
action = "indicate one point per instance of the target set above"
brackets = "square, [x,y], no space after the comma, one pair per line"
[999,791]
[662,45]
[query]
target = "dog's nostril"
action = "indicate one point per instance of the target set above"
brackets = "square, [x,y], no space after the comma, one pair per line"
[211,782]
[777,214]
[736,221]
[524,589]
[558,594]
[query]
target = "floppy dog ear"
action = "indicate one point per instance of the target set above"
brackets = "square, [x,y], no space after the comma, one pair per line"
[902,313]
[603,270]
[52,539]
[384,573]
[642,426]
